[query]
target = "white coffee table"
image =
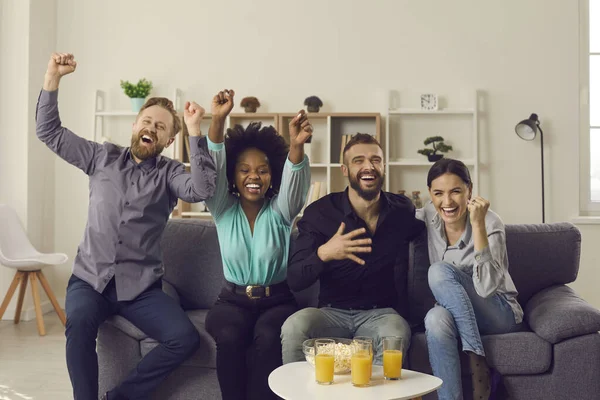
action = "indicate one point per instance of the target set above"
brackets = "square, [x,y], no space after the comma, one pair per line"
[296,381]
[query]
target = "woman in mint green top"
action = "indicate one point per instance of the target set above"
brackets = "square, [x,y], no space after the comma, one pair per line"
[261,187]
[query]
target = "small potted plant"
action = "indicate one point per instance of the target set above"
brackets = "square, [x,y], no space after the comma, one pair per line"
[137,92]
[313,103]
[437,142]
[250,104]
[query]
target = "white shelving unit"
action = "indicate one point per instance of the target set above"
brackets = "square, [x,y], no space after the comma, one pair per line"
[325,148]
[102,112]
[463,117]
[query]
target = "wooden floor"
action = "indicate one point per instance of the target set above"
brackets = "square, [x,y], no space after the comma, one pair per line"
[33,367]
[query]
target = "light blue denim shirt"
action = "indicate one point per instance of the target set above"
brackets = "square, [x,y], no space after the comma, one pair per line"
[260,258]
[489,266]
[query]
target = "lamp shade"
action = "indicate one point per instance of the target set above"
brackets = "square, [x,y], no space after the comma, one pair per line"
[527,129]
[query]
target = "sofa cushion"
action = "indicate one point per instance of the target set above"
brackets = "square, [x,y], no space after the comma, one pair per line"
[205,356]
[127,327]
[557,313]
[192,261]
[543,255]
[520,353]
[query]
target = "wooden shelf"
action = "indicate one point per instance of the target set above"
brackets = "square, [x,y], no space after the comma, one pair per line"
[416,162]
[329,130]
[334,115]
[252,115]
[445,111]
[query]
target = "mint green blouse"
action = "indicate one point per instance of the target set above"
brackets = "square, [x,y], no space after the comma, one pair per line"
[262,258]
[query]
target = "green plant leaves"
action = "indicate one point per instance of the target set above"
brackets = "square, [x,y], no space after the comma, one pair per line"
[140,90]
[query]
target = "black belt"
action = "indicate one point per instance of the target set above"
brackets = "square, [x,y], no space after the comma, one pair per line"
[255,292]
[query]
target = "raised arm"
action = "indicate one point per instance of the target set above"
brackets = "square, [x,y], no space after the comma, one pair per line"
[221,106]
[491,260]
[200,184]
[295,179]
[75,150]
[300,133]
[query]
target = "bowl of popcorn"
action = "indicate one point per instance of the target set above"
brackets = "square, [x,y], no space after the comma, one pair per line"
[343,353]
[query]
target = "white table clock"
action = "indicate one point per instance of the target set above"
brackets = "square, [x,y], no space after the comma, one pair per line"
[429,102]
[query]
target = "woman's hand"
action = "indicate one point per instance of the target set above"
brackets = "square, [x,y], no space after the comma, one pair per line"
[478,207]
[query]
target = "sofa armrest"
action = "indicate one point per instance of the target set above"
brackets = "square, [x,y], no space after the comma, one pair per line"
[557,313]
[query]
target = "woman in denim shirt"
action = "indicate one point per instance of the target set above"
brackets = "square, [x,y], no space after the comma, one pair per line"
[468,277]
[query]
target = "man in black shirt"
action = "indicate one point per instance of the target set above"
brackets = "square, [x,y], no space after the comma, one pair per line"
[356,244]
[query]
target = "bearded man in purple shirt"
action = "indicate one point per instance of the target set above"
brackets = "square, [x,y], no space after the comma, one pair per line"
[118,267]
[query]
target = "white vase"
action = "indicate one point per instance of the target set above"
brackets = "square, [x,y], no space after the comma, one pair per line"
[137,103]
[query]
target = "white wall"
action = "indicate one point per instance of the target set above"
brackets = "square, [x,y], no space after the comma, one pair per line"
[14,44]
[41,162]
[349,53]
[27,36]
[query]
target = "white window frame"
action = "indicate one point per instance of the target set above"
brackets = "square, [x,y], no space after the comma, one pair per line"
[586,205]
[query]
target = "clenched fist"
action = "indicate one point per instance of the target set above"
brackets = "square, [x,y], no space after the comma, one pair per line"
[300,129]
[478,208]
[61,64]
[222,103]
[192,115]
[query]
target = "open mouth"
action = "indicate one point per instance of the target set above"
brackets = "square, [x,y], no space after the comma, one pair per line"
[147,139]
[368,178]
[450,211]
[253,188]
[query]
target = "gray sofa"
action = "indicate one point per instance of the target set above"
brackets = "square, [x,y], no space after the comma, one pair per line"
[557,356]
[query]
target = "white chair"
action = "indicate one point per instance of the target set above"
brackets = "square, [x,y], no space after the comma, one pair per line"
[16,251]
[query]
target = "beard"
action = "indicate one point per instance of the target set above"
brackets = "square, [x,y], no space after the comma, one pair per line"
[145,152]
[370,193]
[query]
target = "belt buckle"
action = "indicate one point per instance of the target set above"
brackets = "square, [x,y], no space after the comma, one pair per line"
[250,293]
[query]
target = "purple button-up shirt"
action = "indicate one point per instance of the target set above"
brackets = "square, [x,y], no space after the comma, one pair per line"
[129,203]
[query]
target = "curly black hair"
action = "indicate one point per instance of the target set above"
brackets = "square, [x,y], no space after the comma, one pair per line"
[263,138]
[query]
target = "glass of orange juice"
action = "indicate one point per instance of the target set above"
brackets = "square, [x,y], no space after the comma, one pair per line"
[361,363]
[392,357]
[366,339]
[324,361]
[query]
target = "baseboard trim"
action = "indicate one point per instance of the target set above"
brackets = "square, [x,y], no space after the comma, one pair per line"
[28,314]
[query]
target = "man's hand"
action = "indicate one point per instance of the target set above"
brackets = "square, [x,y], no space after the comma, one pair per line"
[222,104]
[192,115]
[478,207]
[343,246]
[60,64]
[300,129]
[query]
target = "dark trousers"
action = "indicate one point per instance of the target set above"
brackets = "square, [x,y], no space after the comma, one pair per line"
[248,337]
[153,312]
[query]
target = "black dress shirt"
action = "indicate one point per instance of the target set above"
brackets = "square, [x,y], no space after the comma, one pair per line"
[381,282]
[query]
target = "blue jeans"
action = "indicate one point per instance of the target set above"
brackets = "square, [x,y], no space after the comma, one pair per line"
[153,311]
[461,314]
[334,322]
